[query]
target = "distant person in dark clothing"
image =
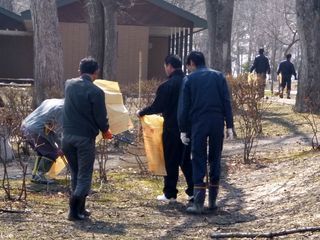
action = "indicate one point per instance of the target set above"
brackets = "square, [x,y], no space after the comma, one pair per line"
[175,153]
[286,69]
[206,106]
[84,114]
[262,67]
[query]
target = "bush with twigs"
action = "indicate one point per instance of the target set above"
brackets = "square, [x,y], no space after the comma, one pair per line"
[248,108]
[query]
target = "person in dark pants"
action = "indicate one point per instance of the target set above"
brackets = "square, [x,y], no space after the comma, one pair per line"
[206,106]
[286,69]
[84,114]
[43,131]
[262,67]
[175,153]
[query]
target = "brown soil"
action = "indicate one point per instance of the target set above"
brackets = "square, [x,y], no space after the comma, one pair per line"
[279,191]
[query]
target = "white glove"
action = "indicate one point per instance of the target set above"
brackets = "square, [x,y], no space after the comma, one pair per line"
[184,139]
[229,134]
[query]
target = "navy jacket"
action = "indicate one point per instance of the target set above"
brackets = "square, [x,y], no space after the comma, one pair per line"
[286,68]
[261,65]
[205,94]
[84,112]
[166,100]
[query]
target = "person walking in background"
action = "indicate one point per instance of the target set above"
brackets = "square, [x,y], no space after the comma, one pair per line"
[84,114]
[43,131]
[205,105]
[286,69]
[262,67]
[175,153]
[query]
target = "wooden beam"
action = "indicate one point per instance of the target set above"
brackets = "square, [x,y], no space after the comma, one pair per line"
[15,33]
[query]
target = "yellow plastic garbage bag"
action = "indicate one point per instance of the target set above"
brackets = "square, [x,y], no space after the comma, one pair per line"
[57,167]
[152,127]
[118,114]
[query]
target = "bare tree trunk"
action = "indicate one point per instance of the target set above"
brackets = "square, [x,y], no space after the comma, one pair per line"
[251,29]
[219,15]
[95,20]
[273,63]
[7,4]
[48,56]
[111,9]
[308,22]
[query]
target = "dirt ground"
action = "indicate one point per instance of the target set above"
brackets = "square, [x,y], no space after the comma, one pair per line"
[279,191]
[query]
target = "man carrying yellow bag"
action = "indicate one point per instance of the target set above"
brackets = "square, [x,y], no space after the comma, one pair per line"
[175,153]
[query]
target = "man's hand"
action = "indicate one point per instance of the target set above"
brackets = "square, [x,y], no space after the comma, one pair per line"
[229,134]
[107,135]
[184,139]
[60,153]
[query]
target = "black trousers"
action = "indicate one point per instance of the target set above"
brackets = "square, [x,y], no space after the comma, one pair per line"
[80,153]
[286,81]
[207,130]
[176,155]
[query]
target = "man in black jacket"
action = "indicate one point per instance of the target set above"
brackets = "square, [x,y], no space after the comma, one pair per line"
[262,67]
[286,68]
[175,153]
[84,114]
[206,105]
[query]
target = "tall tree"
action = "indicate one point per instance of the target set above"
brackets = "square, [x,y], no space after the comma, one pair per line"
[111,9]
[48,56]
[7,4]
[219,15]
[95,20]
[308,22]
[102,21]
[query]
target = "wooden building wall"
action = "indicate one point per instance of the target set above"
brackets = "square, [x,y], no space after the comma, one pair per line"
[158,50]
[16,56]
[131,40]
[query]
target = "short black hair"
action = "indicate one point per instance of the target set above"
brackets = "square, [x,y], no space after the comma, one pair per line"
[88,65]
[288,56]
[174,61]
[197,58]
[261,50]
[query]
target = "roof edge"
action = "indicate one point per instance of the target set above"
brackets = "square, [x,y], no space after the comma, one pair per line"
[198,21]
[11,14]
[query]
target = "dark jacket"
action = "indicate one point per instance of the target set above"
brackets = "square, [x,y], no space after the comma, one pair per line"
[205,94]
[261,65]
[286,68]
[166,100]
[84,112]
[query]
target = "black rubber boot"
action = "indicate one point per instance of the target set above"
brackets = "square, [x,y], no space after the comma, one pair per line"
[74,209]
[213,193]
[199,194]
[83,211]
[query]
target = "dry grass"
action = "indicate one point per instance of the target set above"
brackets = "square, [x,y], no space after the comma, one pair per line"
[282,191]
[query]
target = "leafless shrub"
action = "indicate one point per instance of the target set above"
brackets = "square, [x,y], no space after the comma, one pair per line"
[17,104]
[102,157]
[248,108]
[148,90]
[312,120]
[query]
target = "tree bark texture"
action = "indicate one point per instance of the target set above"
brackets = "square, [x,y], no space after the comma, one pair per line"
[95,20]
[111,9]
[308,23]
[48,56]
[7,4]
[219,15]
